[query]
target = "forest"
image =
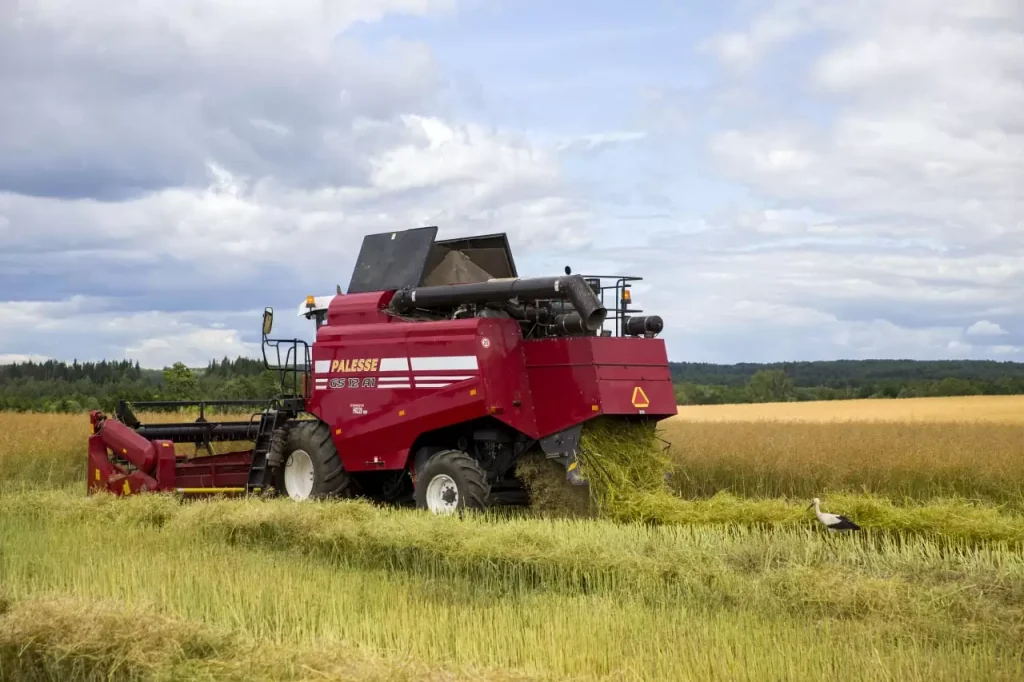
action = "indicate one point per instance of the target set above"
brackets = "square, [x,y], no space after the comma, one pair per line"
[705,383]
[55,386]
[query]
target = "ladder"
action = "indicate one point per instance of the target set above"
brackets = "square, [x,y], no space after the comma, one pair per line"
[258,482]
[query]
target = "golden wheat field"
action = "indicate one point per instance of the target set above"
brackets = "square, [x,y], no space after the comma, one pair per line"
[1001,409]
[718,574]
[915,448]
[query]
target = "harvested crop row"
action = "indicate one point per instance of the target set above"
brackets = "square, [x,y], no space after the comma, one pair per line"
[655,602]
[78,640]
[629,481]
[682,564]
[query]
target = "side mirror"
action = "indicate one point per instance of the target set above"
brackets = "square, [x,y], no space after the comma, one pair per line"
[568,270]
[268,320]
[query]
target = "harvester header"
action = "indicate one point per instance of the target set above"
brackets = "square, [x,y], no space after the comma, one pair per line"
[426,383]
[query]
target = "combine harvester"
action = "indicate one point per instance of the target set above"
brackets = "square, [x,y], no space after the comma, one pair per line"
[427,382]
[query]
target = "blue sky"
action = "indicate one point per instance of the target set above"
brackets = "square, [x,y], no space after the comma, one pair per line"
[794,179]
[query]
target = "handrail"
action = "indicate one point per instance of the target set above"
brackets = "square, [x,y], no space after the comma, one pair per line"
[618,312]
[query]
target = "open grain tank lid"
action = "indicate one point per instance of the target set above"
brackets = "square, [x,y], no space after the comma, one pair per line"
[411,258]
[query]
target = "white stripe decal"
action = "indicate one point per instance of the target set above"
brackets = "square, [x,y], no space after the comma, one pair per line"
[394,364]
[321,366]
[393,386]
[432,384]
[391,380]
[443,377]
[436,363]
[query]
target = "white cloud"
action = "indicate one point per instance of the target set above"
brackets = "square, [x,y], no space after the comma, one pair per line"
[928,126]
[194,347]
[120,100]
[985,328]
[885,173]
[14,358]
[437,154]
[461,177]
[602,140]
[96,329]
[164,166]
[742,50]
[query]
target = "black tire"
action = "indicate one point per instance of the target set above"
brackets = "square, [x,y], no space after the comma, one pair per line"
[329,478]
[470,481]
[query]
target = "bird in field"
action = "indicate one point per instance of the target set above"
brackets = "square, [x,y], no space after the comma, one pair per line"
[832,521]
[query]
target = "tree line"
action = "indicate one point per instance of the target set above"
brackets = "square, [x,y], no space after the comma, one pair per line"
[54,386]
[706,384]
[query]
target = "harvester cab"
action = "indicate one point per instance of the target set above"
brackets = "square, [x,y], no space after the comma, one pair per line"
[426,383]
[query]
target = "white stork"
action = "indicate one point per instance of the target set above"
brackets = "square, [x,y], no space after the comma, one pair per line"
[832,521]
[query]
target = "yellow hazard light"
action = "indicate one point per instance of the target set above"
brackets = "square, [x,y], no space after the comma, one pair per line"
[626,296]
[310,301]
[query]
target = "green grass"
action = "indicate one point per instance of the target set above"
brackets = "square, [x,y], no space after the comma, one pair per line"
[731,580]
[484,598]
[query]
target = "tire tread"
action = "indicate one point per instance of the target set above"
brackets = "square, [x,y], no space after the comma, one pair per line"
[476,488]
[315,438]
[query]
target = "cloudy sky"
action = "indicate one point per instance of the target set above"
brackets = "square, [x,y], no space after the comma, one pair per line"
[795,179]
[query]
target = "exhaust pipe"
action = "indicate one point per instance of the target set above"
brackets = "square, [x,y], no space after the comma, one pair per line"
[572,287]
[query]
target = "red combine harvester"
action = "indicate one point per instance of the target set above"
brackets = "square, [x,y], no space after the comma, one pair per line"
[427,381]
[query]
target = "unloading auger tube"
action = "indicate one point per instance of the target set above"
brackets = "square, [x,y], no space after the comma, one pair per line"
[572,287]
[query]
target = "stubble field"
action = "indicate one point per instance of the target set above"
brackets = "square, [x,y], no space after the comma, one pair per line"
[722,576]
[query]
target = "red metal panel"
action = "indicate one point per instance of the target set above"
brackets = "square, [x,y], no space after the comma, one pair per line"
[505,381]
[230,470]
[563,396]
[128,444]
[100,468]
[350,309]
[165,464]
[569,377]
[135,482]
[627,351]
[632,373]
[384,442]
[379,386]
[628,397]
[379,382]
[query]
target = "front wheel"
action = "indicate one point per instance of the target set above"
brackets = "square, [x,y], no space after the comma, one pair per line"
[451,481]
[312,467]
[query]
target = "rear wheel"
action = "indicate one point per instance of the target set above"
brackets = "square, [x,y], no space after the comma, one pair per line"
[312,467]
[450,482]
